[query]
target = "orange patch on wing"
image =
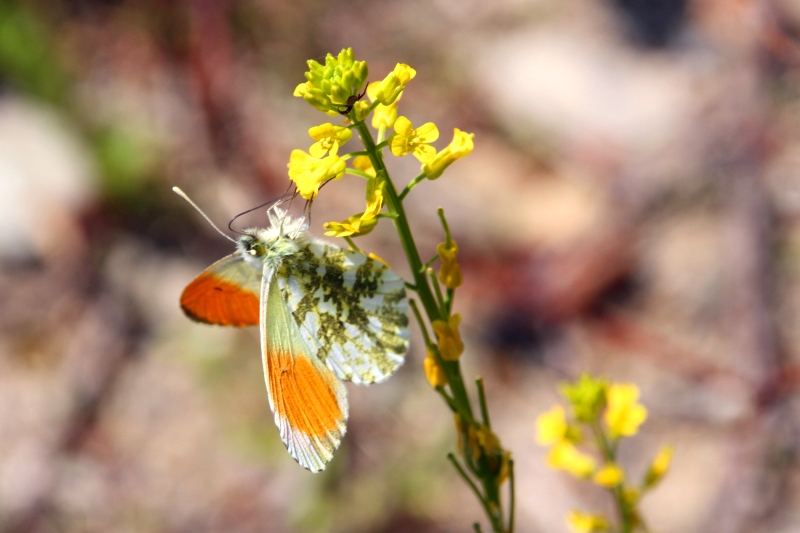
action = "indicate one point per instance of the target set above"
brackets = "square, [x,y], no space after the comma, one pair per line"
[302,394]
[214,301]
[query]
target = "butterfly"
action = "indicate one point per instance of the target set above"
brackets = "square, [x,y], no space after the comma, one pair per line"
[325,314]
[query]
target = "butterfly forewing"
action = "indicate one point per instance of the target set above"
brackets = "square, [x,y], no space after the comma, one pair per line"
[226,294]
[349,308]
[307,399]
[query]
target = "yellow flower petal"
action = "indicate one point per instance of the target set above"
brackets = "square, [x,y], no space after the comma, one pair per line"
[460,146]
[450,345]
[354,226]
[433,372]
[609,476]
[390,88]
[374,199]
[551,426]
[565,456]
[428,132]
[659,467]
[309,173]
[450,271]
[623,414]
[587,523]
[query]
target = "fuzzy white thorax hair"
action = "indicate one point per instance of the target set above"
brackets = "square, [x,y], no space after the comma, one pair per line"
[284,237]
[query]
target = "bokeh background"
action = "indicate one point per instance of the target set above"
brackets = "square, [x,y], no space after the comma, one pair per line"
[631,208]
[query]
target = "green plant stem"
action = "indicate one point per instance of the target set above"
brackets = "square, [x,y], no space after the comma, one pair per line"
[353,246]
[468,481]
[511,496]
[435,308]
[413,183]
[451,369]
[608,451]
[482,402]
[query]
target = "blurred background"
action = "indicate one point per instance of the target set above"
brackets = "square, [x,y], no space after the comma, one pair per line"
[632,208]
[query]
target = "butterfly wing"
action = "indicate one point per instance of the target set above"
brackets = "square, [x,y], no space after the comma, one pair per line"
[226,294]
[349,308]
[308,401]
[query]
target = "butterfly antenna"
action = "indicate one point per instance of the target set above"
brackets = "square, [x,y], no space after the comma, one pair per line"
[183,195]
[250,211]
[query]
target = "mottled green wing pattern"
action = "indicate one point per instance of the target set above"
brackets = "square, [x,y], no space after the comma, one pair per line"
[348,306]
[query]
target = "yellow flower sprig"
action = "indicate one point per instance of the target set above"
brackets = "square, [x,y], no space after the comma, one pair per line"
[336,88]
[608,412]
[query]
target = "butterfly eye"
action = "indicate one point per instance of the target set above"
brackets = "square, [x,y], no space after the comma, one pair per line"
[256,249]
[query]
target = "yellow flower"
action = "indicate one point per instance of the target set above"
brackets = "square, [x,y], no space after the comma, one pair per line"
[364,164]
[659,466]
[587,523]
[375,187]
[309,173]
[565,456]
[408,140]
[450,271]
[354,226]
[329,138]
[609,476]
[459,147]
[393,85]
[623,415]
[433,372]
[450,345]
[374,199]
[384,116]
[551,426]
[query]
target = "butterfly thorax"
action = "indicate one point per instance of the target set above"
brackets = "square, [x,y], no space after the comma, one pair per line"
[270,246]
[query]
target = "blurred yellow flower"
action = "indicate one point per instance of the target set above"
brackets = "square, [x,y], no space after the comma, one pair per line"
[309,173]
[587,396]
[450,271]
[329,138]
[609,475]
[408,140]
[551,426]
[450,345]
[623,415]
[460,146]
[587,523]
[433,372]
[659,466]
[565,456]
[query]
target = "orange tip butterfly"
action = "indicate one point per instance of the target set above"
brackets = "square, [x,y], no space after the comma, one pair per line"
[325,314]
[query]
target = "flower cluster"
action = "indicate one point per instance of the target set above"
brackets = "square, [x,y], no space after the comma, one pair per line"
[583,441]
[336,88]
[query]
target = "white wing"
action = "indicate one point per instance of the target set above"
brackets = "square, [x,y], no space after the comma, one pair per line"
[348,307]
[308,401]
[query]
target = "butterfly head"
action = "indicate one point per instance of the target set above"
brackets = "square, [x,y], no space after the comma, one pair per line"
[271,245]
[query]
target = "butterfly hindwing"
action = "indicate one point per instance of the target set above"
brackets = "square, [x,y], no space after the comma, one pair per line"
[308,401]
[226,293]
[349,308]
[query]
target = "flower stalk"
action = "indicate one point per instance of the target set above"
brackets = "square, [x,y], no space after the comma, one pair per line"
[335,88]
